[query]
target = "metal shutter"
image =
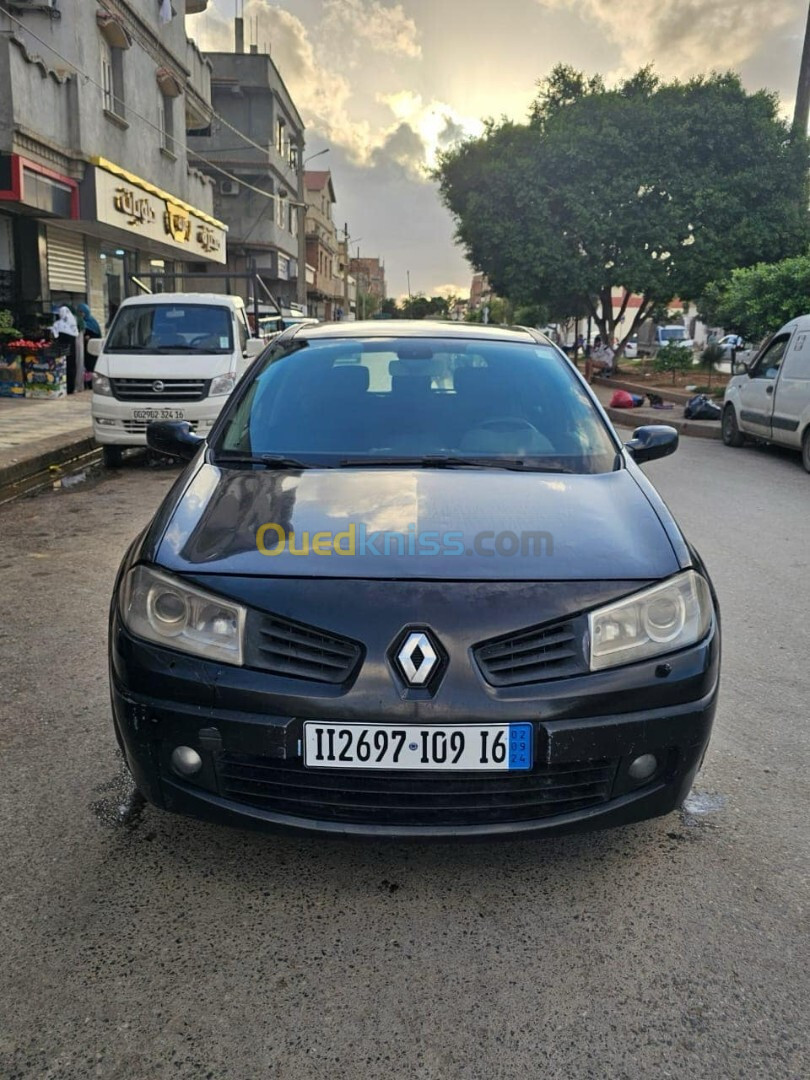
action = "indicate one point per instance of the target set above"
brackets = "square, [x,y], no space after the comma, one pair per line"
[67,267]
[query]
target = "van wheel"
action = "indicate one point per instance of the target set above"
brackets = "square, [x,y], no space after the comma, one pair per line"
[113,456]
[732,436]
[806,450]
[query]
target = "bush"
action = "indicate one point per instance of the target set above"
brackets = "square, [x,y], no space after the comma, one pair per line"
[672,358]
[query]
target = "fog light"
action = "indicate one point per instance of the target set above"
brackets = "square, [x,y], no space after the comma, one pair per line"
[104,423]
[185,761]
[641,769]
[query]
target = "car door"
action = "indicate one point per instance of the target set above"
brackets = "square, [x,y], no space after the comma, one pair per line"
[757,392]
[791,411]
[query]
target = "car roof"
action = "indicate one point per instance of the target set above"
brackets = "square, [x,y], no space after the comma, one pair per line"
[395,328]
[183,297]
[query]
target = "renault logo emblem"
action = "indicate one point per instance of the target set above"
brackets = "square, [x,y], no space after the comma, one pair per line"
[417,658]
[158,387]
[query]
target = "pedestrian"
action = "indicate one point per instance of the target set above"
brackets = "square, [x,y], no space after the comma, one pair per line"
[65,330]
[90,329]
[601,359]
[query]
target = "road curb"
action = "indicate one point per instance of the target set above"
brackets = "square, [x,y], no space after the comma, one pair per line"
[699,429]
[53,451]
[680,397]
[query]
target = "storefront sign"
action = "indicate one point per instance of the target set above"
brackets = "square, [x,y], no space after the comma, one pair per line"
[154,215]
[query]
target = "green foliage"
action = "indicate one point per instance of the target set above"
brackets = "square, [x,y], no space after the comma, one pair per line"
[6,329]
[389,307]
[536,315]
[653,187]
[711,355]
[367,305]
[672,358]
[423,307]
[755,302]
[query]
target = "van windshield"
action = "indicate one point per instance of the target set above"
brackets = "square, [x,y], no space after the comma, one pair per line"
[673,333]
[171,328]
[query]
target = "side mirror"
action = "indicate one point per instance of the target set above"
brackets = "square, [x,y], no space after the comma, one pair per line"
[94,346]
[739,367]
[254,347]
[652,442]
[173,437]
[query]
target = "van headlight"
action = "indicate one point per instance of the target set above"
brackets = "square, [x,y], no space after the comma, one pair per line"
[660,620]
[166,610]
[222,384]
[101,385]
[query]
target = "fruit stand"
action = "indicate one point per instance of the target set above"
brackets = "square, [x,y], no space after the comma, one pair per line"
[32,369]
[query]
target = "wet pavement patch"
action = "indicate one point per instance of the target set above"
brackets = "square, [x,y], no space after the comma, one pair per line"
[121,804]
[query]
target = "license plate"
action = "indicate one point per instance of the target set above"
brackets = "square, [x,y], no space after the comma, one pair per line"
[157,414]
[468,748]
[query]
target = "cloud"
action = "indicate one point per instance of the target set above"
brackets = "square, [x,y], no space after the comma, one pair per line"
[403,148]
[371,24]
[683,37]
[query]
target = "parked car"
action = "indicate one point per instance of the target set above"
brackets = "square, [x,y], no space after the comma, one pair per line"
[631,348]
[168,356]
[769,398]
[657,337]
[375,603]
[731,344]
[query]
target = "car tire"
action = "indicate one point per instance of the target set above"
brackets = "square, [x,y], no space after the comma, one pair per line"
[806,450]
[113,456]
[732,436]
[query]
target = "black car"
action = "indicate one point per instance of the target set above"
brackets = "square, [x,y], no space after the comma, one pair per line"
[414,585]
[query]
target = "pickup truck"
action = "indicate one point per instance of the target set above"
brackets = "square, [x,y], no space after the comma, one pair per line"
[769,398]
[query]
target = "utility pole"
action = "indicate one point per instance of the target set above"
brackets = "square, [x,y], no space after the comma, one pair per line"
[301,286]
[801,115]
[346,270]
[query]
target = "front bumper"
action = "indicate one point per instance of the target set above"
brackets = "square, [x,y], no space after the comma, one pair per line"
[114,422]
[253,775]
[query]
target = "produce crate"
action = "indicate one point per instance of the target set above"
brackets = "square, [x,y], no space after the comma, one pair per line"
[45,373]
[12,380]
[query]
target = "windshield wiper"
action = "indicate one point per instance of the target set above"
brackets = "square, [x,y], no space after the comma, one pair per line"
[440,461]
[268,461]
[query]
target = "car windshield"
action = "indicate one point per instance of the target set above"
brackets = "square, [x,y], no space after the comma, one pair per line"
[171,328]
[674,333]
[417,401]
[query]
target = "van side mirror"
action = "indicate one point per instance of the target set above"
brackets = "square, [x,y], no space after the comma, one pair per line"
[173,437]
[739,367]
[94,346]
[254,347]
[652,442]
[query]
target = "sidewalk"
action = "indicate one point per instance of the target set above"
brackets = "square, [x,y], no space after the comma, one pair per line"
[35,434]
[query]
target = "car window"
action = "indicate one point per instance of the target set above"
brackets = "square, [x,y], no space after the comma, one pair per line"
[335,399]
[769,363]
[797,358]
[167,328]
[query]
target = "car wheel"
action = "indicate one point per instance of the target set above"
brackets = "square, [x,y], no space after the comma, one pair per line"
[113,456]
[806,450]
[732,436]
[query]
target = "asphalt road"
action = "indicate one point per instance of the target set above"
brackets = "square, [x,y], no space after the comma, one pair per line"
[166,948]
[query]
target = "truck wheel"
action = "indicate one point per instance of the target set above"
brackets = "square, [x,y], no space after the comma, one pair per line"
[806,450]
[732,436]
[113,456]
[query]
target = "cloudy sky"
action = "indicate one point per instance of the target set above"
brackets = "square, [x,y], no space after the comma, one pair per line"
[385,85]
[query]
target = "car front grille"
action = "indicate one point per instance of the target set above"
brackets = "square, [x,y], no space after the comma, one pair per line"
[138,427]
[371,797]
[297,651]
[173,389]
[545,652]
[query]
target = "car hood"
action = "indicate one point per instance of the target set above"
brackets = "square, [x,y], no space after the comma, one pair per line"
[413,524]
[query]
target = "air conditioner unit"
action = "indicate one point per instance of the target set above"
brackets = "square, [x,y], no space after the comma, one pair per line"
[228,187]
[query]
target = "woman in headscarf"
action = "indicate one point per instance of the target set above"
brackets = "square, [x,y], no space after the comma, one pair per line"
[90,329]
[66,330]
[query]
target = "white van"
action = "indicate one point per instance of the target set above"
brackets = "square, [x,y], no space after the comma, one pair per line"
[167,356]
[770,398]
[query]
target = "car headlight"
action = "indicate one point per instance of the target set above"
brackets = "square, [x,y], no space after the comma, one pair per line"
[165,610]
[659,620]
[222,384]
[101,385]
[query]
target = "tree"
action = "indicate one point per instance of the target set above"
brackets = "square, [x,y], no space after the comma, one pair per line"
[423,307]
[389,308]
[755,302]
[651,188]
[368,304]
[672,358]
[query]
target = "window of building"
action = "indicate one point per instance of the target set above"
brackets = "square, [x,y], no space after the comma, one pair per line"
[281,211]
[281,136]
[293,219]
[166,120]
[112,78]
